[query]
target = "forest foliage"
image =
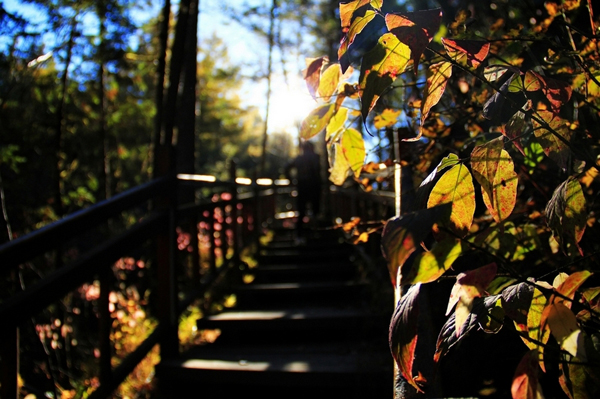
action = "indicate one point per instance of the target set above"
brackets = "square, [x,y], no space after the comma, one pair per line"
[495,110]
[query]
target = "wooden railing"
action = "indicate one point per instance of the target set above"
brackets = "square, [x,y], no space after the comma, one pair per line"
[242,205]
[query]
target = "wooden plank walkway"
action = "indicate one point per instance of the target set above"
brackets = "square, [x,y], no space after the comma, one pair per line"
[304,327]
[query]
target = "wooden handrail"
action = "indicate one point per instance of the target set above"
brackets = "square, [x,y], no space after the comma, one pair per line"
[49,237]
[159,224]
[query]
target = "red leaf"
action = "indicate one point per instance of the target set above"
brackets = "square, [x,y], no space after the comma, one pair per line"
[525,382]
[415,29]
[475,51]
[556,91]
[403,334]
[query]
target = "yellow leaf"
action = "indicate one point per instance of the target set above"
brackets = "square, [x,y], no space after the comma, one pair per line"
[353,147]
[329,82]
[316,121]
[336,123]
[456,187]
[387,118]
[340,168]
[379,69]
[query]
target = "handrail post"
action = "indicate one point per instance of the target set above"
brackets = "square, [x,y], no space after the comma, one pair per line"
[234,213]
[9,367]
[105,324]
[167,287]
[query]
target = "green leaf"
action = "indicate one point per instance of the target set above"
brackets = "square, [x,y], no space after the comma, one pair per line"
[566,214]
[353,147]
[415,29]
[553,134]
[438,75]
[379,69]
[316,121]
[456,187]
[428,266]
[494,169]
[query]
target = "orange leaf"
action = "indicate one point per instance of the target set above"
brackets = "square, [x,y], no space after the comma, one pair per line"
[387,118]
[438,75]
[474,51]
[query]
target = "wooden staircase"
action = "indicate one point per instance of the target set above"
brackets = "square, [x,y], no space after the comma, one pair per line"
[304,327]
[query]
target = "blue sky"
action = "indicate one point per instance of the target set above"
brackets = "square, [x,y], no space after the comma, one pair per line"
[290,100]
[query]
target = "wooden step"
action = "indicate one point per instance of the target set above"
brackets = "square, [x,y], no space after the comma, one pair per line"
[269,295]
[294,325]
[307,271]
[345,370]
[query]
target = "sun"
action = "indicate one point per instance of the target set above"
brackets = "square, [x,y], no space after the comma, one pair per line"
[290,104]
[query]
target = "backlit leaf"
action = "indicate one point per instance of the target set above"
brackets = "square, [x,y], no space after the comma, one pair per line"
[553,134]
[387,118]
[353,147]
[565,329]
[556,91]
[403,333]
[494,169]
[415,29]
[566,214]
[355,28]
[525,383]
[456,187]
[341,168]
[379,69]
[402,235]
[316,121]
[336,124]
[428,266]
[494,72]
[473,52]
[569,287]
[438,75]
[347,11]
[312,74]
[329,82]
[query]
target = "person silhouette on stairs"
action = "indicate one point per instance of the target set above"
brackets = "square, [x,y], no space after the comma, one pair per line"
[308,183]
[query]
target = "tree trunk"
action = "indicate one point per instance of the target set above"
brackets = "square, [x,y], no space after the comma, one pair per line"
[160,81]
